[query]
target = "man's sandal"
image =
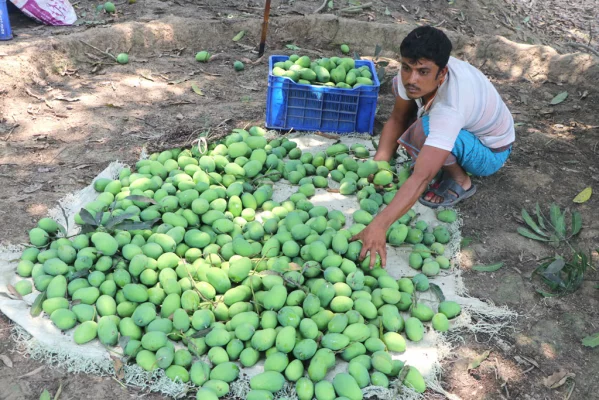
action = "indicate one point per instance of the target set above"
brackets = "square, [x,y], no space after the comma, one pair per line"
[451,193]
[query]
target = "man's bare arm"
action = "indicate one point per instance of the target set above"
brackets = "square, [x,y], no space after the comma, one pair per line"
[403,112]
[373,237]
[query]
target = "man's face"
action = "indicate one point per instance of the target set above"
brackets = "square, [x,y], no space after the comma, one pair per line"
[420,77]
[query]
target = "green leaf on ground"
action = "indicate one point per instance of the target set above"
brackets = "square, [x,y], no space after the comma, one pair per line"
[87,217]
[466,241]
[377,50]
[239,36]
[143,199]
[36,307]
[437,291]
[540,216]
[387,12]
[196,89]
[545,294]
[559,98]
[488,268]
[591,341]
[576,223]
[45,395]
[530,222]
[113,220]
[292,47]
[528,234]
[477,361]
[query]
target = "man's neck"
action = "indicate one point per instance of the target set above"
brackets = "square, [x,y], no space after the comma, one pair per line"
[427,97]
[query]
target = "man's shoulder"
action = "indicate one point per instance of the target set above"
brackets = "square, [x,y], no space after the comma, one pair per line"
[461,66]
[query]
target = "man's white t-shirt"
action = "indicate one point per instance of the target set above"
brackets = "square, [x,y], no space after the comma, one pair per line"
[466,100]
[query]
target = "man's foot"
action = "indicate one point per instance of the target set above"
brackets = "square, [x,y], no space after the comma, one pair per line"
[448,193]
[465,183]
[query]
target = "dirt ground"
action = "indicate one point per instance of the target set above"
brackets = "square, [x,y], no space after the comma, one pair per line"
[66,111]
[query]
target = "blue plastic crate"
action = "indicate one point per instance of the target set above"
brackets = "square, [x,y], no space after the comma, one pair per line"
[5,31]
[291,105]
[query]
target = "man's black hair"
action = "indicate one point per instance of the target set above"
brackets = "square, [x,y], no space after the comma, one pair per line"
[429,43]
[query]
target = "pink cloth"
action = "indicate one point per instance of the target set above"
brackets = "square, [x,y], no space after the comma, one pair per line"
[49,12]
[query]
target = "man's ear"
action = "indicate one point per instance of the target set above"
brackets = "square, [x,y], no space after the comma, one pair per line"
[443,72]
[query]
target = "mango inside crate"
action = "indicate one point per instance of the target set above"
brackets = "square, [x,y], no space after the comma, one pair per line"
[316,107]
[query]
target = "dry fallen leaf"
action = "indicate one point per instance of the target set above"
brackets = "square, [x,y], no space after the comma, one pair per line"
[33,188]
[531,361]
[14,292]
[583,196]
[294,267]
[7,361]
[118,367]
[558,379]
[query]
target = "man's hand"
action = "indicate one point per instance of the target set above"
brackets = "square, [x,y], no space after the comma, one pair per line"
[374,240]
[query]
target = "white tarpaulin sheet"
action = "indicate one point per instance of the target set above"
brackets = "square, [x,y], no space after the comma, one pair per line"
[39,338]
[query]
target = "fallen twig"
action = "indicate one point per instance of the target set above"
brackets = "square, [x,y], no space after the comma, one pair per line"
[319,9]
[584,46]
[10,132]
[209,73]
[326,135]
[34,372]
[40,98]
[97,49]
[356,8]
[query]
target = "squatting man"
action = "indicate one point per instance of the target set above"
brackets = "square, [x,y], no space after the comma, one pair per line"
[452,122]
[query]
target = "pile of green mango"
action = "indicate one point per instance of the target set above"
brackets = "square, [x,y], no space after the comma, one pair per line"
[206,263]
[334,72]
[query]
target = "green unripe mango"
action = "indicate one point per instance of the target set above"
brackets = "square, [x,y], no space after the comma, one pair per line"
[199,373]
[440,322]
[395,342]
[271,381]
[423,312]
[304,388]
[414,329]
[38,237]
[379,379]
[85,332]
[146,359]
[448,216]
[87,295]
[227,372]
[259,395]
[64,319]
[360,374]
[108,332]
[324,390]
[345,385]
[144,314]
[55,266]
[105,243]
[415,381]
[381,361]
[249,357]
[450,309]
[175,372]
